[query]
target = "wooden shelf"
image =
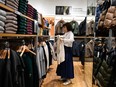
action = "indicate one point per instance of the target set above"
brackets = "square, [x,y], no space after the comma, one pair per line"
[16,35]
[6,7]
[18,13]
[21,35]
[43,36]
[12,10]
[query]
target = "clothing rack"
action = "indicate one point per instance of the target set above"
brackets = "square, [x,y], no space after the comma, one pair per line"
[37,26]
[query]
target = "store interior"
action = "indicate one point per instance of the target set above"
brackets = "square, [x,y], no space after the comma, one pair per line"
[26,26]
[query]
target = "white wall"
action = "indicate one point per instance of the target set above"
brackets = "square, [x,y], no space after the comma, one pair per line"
[47,7]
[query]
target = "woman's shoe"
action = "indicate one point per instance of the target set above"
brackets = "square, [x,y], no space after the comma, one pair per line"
[67,82]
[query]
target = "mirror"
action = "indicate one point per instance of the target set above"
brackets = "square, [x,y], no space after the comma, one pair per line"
[89,42]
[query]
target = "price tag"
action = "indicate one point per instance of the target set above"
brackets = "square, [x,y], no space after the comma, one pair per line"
[98,54]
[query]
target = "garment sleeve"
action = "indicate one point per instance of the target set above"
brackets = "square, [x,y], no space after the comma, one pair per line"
[70,39]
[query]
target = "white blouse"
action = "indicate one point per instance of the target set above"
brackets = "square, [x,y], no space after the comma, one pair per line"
[68,39]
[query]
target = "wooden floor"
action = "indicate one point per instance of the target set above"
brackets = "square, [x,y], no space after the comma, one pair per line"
[88,68]
[52,79]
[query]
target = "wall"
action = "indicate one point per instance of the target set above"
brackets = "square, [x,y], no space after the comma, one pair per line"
[47,7]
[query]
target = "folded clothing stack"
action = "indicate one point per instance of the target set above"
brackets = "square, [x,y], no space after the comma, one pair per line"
[30,13]
[2,20]
[22,22]
[12,4]
[2,1]
[35,16]
[11,25]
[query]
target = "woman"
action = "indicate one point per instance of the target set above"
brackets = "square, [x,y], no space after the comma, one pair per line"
[66,69]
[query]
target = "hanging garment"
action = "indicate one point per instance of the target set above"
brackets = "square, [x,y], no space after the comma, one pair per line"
[82,27]
[52,51]
[45,57]
[89,49]
[98,12]
[113,2]
[41,63]
[50,54]
[17,65]
[75,27]
[12,71]
[104,74]
[75,48]
[58,27]
[5,72]
[82,52]
[46,53]
[28,73]
[90,28]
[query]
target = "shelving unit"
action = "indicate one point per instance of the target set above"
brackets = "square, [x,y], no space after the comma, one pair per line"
[34,36]
[16,35]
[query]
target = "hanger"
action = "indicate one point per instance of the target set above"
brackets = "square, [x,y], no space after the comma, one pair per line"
[25,48]
[7,45]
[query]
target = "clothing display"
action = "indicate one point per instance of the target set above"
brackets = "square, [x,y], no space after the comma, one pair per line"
[12,4]
[49,52]
[30,12]
[105,19]
[24,70]
[82,52]
[30,73]
[41,63]
[90,28]
[11,27]
[75,48]
[12,71]
[58,27]
[46,30]
[89,49]
[2,1]
[104,65]
[22,22]
[29,52]
[75,27]
[82,27]
[2,20]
